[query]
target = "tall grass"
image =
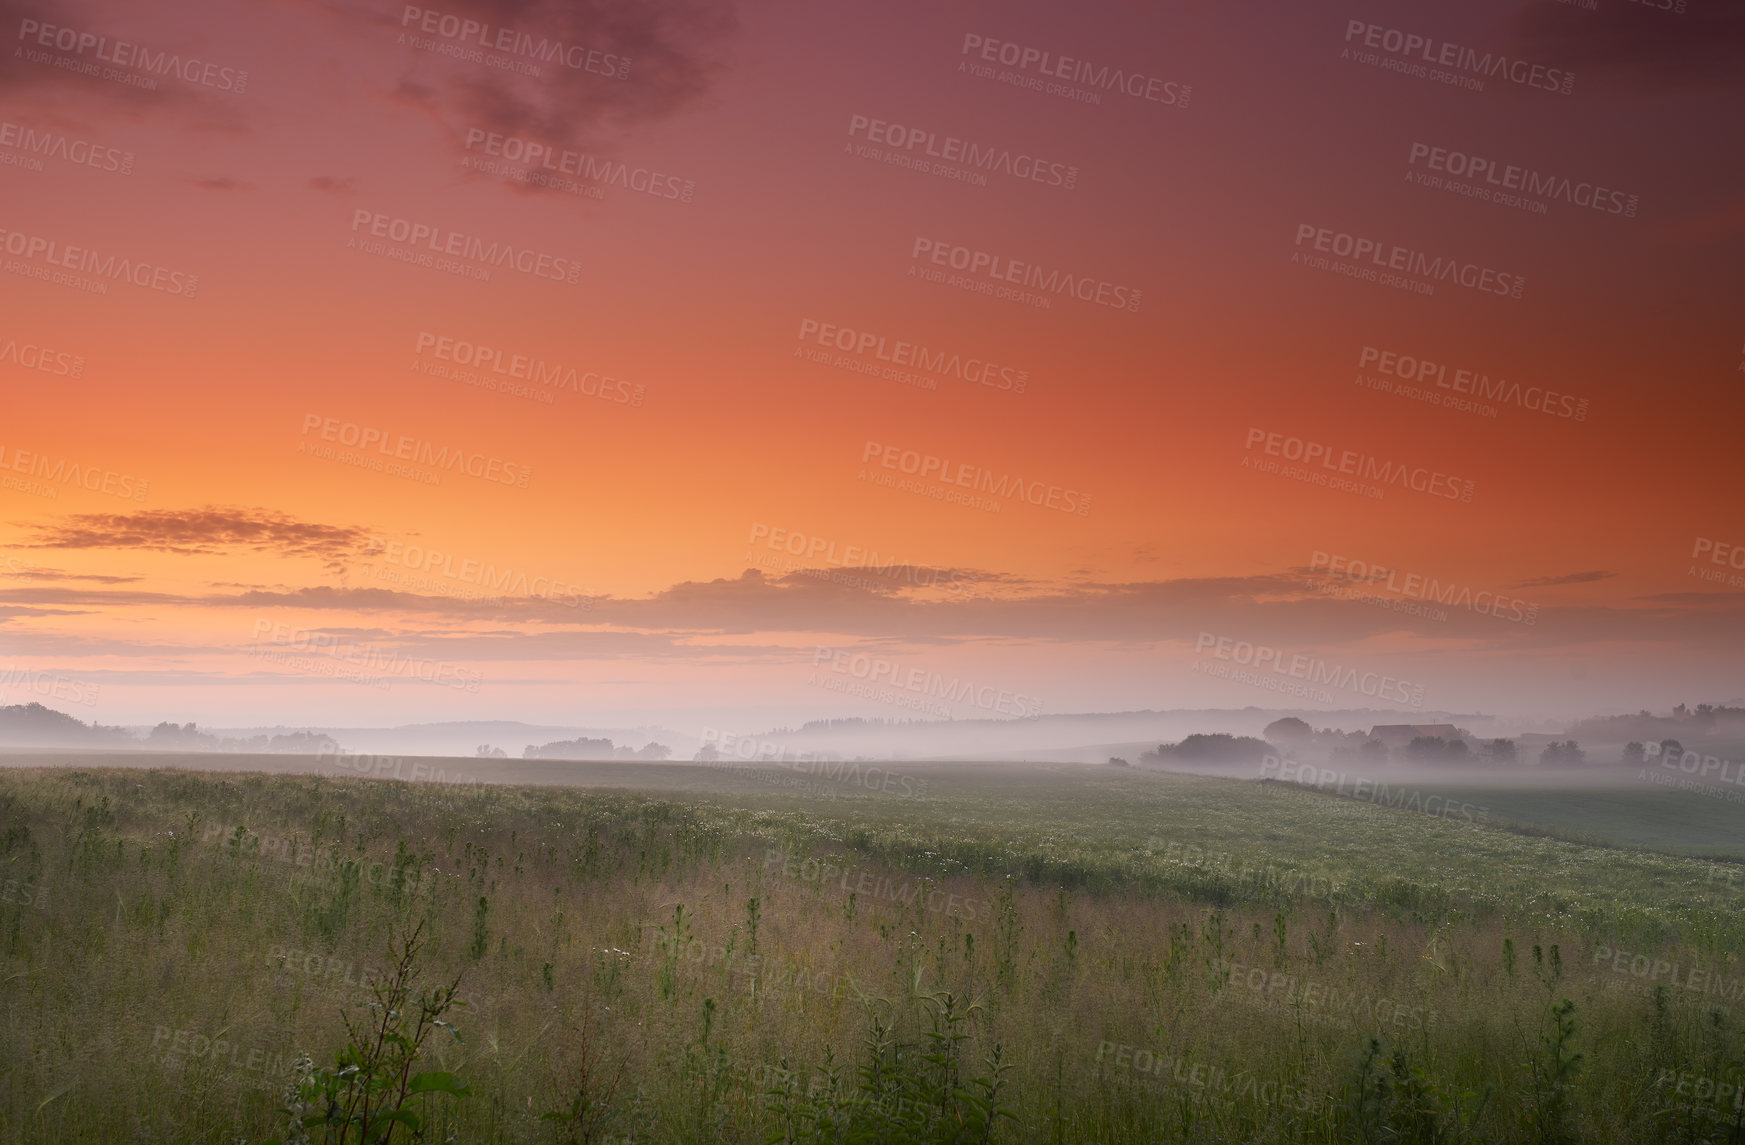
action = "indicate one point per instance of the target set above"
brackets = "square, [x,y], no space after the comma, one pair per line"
[642,968]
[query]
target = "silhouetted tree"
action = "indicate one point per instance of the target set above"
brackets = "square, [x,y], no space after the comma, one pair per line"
[579,748]
[1427,749]
[1288,731]
[1565,754]
[1219,747]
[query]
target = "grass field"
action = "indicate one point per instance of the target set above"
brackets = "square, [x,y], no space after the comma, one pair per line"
[948,953]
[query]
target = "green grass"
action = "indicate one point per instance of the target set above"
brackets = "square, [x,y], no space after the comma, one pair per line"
[1632,814]
[1112,955]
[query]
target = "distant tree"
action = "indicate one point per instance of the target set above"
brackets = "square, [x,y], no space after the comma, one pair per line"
[1635,754]
[180,737]
[1500,751]
[708,753]
[296,743]
[1288,731]
[1373,751]
[1457,751]
[1427,749]
[1670,749]
[486,751]
[580,748]
[1219,747]
[33,724]
[1566,754]
[654,751]
[1117,761]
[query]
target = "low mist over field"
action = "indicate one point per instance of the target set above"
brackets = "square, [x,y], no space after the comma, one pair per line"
[751,572]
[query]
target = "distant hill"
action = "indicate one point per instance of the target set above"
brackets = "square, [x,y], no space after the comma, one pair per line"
[32,725]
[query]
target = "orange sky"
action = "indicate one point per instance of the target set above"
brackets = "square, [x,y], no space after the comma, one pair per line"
[238,572]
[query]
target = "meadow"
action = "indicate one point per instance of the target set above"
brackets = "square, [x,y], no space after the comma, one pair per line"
[1052,953]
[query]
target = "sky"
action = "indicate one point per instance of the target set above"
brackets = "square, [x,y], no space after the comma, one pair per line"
[739,364]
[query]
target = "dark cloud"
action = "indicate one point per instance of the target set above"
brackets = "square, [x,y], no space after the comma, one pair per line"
[54,90]
[675,49]
[332,185]
[1275,609]
[888,579]
[59,574]
[1638,45]
[1566,578]
[202,531]
[220,184]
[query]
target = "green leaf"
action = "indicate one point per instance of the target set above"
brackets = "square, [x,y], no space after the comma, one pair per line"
[383,1123]
[436,1081]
